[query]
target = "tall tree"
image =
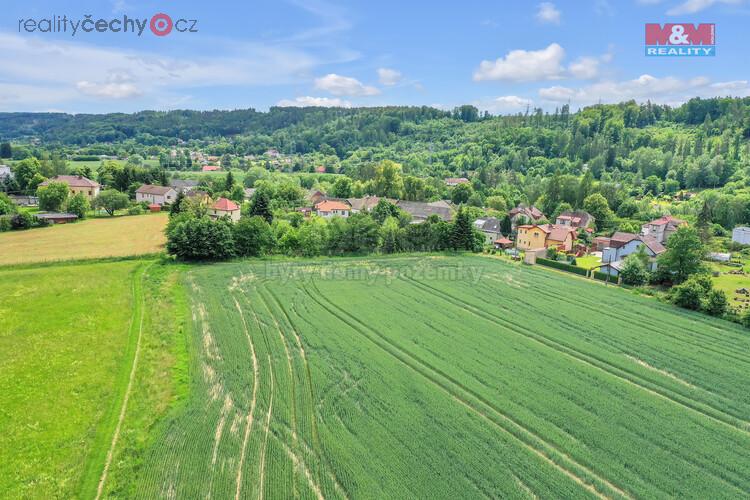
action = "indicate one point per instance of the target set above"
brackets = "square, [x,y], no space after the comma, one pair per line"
[684,255]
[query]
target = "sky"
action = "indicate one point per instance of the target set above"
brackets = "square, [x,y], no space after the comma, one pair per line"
[501,56]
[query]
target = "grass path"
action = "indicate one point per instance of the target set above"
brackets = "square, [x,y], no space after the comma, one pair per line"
[138,309]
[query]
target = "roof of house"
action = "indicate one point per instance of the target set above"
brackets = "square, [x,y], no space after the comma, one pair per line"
[366,203]
[503,241]
[553,231]
[183,183]
[154,190]
[422,210]
[225,205]
[456,180]
[72,181]
[666,220]
[249,192]
[489,224]
[530,212]
[620,239]
[577,218]
[328,205]
[210,168]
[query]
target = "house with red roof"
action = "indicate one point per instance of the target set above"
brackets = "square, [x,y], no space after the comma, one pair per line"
[333,208]
[538,236]
[210,168]
[224,207]
[524,215]
[455,181]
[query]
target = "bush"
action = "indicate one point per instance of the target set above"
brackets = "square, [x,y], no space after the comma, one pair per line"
[715,303]
[634,272]
[201,239]
[253,237]
[689,295]
[5,224]
[79,205]
[22,220]
[135,210]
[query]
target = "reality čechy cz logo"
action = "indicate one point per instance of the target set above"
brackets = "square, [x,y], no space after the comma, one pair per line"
[159,24]
[681,40]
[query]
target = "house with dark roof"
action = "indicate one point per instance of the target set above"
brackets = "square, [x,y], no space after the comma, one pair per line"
[76,184]
[623,244]
[577,219]
[538,236]
[155,195]
[490,226]
[183,186]
[524,215]
[364,204]
[420,211]
[662,228]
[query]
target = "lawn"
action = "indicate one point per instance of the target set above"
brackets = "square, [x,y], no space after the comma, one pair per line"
[64,335]
[99,237]
[730,283]
[588,261]
[448,377]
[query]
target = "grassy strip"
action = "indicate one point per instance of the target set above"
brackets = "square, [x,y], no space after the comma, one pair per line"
[103,439]
[162,382]
[78,262]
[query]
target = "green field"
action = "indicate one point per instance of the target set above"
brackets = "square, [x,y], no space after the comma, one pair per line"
[448,377]
[64,335]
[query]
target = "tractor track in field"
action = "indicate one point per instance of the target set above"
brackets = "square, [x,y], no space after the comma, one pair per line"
[141,300]
[594,361]
[292,382]
[262,465]
[706,345]
[251,413]
[317,450]
[719,474]
[531,441]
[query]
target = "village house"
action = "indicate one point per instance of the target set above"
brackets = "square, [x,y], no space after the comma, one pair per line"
[536,236]
[623,244]
[455,181]
[577,219]
[183,186]
[224,208]
[490,227]
[741,235]
[524,215]
[314,196]
[5,172]
[421,211]
[332,208]
[210,168]
[76,184]
[200,197]
[155,195]
[662,228]
[364,204]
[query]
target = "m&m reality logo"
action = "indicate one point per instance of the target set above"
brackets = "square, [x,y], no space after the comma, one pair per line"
[681,40]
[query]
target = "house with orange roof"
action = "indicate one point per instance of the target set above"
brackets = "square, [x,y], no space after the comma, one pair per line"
[332,208]
[224,208]
[662,228]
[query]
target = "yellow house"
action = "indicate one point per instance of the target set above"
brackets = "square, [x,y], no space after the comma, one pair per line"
[532,237]
[77,184]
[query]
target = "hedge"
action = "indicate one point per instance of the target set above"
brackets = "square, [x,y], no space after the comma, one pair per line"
[562,266]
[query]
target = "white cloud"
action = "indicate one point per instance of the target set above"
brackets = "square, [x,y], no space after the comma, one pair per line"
[524,65]
[548,13]
[667,90]
[388,76]
[305,101]
[693,6]
[344,85]
[84,70]
[584,68]
[507,104]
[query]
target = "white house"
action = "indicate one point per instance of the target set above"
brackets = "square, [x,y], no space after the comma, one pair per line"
[623,244]
[741,235]
[5,172]
[225,208]
[155,195]
[331,208]
[662,228]
[490,226]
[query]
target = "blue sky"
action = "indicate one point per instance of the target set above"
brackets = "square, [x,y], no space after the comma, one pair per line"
[498,55]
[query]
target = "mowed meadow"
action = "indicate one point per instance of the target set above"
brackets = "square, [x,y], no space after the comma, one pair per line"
[87,239]
[447,377]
